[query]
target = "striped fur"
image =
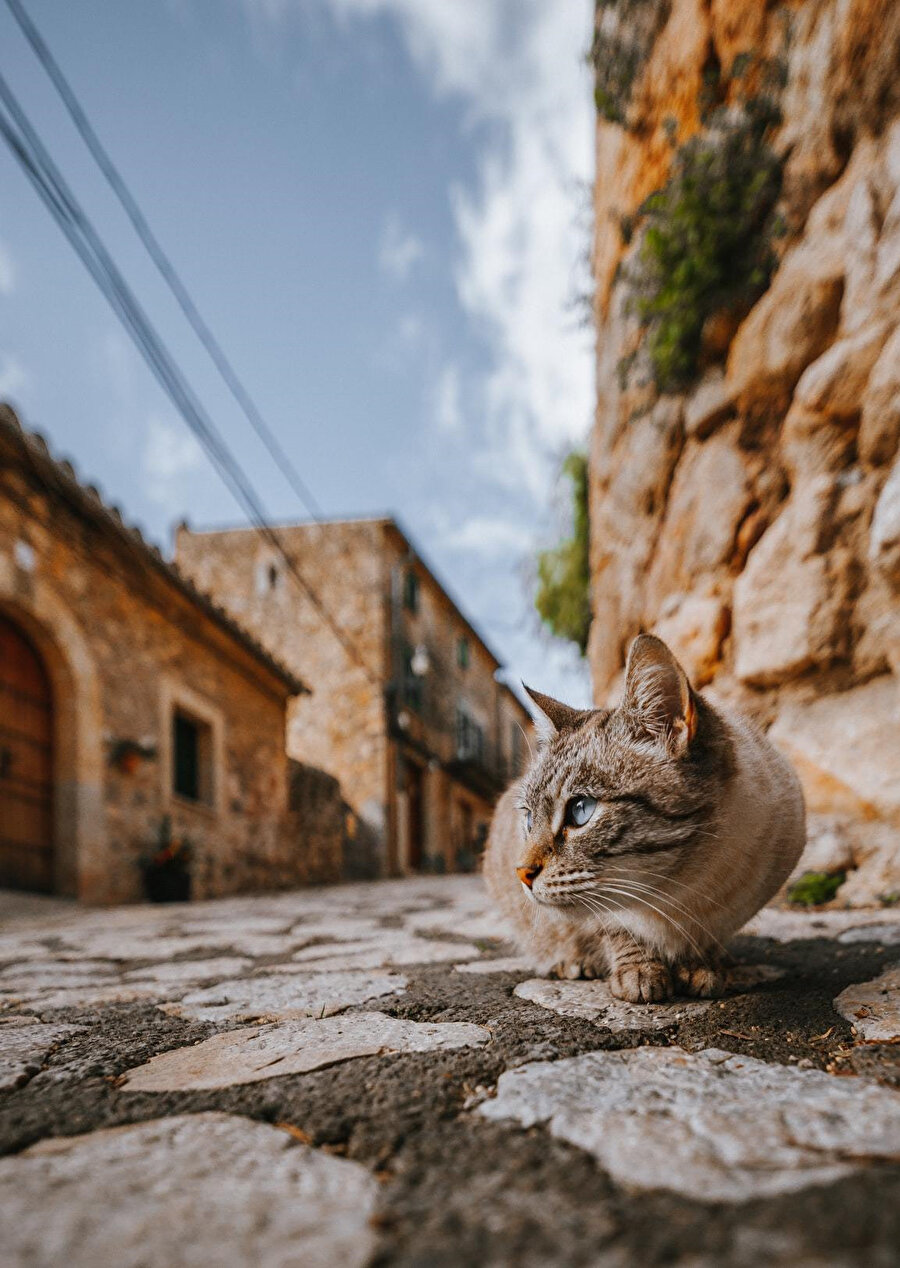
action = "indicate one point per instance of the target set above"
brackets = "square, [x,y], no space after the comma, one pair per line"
[698,822]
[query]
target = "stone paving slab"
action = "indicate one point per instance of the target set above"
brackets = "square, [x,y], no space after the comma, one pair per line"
[788,925]
[295,1047]
[496,964]
[712,1126]
[593,1001]
[24,1045]
[874,1007]
[391,947]
[283,996]
[152,1196]
[482,1115]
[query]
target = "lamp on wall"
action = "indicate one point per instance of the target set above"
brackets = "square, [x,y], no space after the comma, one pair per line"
[420,661]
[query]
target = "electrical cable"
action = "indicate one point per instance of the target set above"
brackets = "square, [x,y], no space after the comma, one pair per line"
[162,261]
[26,146]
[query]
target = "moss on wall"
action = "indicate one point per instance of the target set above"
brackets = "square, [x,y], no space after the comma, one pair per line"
[707,241]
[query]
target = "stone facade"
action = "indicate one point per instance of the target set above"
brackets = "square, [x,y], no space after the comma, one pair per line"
[752,516]
[410,720]
[128,646]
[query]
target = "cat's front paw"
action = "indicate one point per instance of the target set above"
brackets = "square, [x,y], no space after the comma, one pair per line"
[645,983]
[567,970]
[699,981]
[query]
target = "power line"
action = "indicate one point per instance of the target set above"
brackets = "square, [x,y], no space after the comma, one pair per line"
[163,264]
[31,154]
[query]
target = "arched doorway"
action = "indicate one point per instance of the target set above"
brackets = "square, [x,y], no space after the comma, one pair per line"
[26,763]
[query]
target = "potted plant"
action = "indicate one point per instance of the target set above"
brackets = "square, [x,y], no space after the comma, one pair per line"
[166,869]
[127,755]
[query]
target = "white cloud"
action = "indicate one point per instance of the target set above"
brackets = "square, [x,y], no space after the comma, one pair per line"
[400,251]
[448,414]
[487,535]
[519,67]
[169,454]
[7,271]
[13,376]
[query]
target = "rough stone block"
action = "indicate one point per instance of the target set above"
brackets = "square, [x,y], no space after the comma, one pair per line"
[790,327]
[884,537]
[695,631]
[844,747]
[710,404]
[836,382]
[879,428]
[790,598]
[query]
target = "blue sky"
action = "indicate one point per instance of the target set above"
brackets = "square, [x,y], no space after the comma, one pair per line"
[380,206]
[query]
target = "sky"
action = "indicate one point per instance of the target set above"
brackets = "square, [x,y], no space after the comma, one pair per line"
[381,208]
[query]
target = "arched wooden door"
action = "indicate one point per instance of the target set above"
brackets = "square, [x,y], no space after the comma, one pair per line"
[26,764]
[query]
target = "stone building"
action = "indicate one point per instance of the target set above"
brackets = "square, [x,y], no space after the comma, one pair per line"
[411,719]
[748,508]
[128,699]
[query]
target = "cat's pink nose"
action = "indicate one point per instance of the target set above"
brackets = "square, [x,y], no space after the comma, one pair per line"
[528,875]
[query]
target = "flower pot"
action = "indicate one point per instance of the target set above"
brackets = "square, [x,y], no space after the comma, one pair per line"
[129,762]
[167,884]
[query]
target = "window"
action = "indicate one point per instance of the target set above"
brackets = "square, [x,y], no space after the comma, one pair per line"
[267,576]
[411,591]
[463,653]
[191,758]
[469,737]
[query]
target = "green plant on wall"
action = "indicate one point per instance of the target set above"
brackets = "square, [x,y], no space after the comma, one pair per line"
[562,598]
[624,35]
[707,243]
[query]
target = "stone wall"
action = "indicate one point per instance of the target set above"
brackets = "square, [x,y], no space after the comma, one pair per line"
[750,514]
[359,726]
[339,727]
[122,647]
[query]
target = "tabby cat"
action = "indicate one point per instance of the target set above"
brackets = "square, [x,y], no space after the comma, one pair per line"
[642,837]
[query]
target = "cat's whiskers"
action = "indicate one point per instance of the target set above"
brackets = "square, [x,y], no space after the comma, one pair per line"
[665,915]
[661,893]
[527,739]
[685,911]
[622,925]
[687,890]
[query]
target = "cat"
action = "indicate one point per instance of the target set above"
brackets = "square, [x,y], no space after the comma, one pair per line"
[642,837]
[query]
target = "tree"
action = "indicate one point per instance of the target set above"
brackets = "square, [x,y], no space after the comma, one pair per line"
[562,598]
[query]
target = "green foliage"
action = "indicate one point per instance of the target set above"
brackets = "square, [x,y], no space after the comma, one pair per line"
[708,235]
[624,34]
[815,888]
[563,590]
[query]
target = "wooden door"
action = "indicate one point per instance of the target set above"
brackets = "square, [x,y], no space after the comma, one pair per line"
[415,778]
[26,764]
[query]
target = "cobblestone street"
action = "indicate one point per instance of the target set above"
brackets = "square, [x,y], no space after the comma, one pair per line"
[366,1074]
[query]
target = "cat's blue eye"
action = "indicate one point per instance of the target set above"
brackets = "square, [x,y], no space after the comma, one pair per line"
[528,821]
[579,811]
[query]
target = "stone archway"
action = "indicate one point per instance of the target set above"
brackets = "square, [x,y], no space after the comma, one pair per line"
[78,826]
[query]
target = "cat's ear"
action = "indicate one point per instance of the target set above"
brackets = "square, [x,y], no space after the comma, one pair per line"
[555,716]
[659,701]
